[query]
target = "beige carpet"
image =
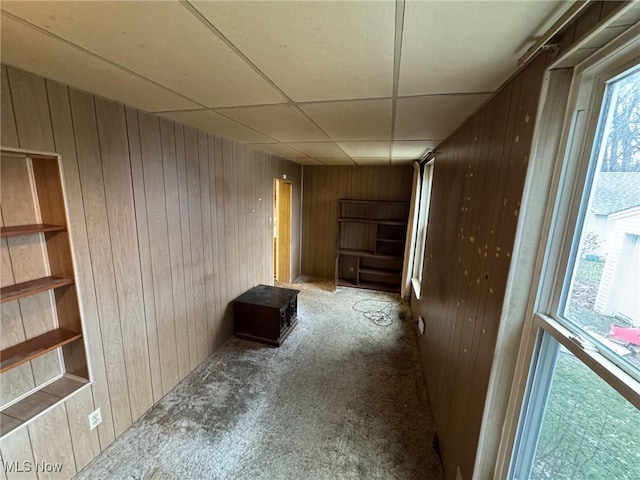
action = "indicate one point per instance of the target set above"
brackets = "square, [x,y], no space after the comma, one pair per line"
[343,398]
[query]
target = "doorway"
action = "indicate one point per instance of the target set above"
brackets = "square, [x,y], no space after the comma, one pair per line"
[282,231]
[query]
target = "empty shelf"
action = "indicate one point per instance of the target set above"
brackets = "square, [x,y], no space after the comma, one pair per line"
[367,253]
[38,401]
[34,347]
[380,272]
[16,230]
[32,287]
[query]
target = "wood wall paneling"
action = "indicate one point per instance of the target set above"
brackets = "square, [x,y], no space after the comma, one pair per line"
[93,193]
[168,225]
[145,252]
[478,180]
[61,119]
[159,243]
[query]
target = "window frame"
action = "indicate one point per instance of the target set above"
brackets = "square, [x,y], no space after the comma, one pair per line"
[566,208]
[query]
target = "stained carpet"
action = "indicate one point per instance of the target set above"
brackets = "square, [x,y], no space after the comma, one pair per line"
[343,398]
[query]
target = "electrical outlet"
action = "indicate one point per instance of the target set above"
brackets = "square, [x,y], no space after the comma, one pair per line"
[351,269]
[95,418]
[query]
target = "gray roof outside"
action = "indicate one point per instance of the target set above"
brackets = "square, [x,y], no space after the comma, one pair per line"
[615,192]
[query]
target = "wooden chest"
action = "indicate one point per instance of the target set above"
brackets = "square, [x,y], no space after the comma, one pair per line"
[265,314]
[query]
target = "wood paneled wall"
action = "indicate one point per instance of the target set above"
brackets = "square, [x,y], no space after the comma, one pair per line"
[168,224]
[479,175]
[323,186]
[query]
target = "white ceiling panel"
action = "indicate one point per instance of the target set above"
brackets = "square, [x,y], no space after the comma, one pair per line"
[37,52]
[337,161]
[285,123]
[411,150]
[355,120]
[212,122]
[313,50]
[373,161]
[366,149]
[277,149]
[319,149]
[468,46]
[162,41]
[433,117]
[306,161]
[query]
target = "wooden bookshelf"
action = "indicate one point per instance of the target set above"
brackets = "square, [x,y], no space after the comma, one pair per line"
[43,398]
[39,285]
[30,229]
[370,244]
[34,347]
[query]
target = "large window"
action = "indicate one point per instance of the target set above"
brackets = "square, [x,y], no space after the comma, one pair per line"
[580,417]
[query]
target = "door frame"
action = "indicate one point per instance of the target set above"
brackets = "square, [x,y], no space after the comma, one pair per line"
[282,230]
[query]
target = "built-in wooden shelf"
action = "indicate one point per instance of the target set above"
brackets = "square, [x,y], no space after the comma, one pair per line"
[371,256]
[38,401]
[16,230]
[368,253]
[19,290]
[382,272]
[34,347]
[375,221]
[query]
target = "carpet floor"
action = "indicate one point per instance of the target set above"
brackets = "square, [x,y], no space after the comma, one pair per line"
[343,398]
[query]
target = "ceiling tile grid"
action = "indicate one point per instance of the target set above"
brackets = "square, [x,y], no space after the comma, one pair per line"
[309,81]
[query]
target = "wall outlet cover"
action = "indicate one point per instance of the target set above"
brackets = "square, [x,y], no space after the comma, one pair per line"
[95,418]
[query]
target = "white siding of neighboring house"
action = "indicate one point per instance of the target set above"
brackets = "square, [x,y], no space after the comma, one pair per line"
[618,278]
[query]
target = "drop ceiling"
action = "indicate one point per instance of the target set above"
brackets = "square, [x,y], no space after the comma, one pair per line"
[321,83]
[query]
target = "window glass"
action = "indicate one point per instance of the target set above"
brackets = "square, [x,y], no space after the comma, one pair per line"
[589,431]
[603,297]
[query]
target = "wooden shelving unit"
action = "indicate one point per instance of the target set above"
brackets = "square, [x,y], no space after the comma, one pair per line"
[30,229]
[32,287]
[370,244]
[34,347]
[20,412]
[40,333]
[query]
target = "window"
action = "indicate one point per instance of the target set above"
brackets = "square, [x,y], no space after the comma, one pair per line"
[421,234]
[579,416]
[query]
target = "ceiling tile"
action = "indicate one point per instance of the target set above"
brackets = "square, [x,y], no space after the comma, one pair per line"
[35,51]
[366,149]
[373,161]
[277,149]
[468,46]
[338,161]
[411,150]
[213,123]
[314,50]
[353,120]
[285,123]
[318,149]
[306,161]
[162,41]
[433,117]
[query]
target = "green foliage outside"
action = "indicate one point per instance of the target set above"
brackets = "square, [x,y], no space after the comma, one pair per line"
[589,431]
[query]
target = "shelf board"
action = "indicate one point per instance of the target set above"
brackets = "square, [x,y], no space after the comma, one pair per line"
[373,221]
[16,230]
[382,272]
[367,253]
[389,240]
[38,401]
[19,290]
[34,347]
[387,287]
